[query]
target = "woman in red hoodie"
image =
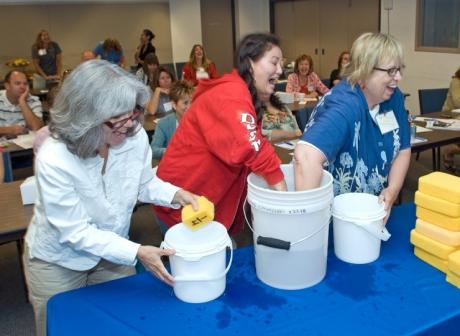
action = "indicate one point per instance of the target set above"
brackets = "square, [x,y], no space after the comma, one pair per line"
[219,141]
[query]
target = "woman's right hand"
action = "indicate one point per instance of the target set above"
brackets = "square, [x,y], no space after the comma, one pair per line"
[150,257]
[280,186]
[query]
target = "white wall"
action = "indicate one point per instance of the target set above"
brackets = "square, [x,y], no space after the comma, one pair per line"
[185,17]
[251,16]
[423,69]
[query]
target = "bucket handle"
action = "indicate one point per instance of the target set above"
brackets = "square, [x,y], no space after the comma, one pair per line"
[213,278]
[275,242]
[380,233]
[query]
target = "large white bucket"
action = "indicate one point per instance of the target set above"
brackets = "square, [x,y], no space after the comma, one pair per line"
[198,266]
[290,231]
[358,227]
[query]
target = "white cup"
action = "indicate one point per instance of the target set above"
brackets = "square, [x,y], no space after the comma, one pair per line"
[429,123]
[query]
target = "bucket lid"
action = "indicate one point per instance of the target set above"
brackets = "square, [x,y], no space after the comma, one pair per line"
[358,206]
[207,240]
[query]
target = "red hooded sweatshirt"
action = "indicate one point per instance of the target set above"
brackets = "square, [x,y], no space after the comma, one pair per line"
[217,144]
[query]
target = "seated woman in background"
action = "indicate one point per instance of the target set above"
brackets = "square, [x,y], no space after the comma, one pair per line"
[145,47]
[360,130]
[160,103]
[146,74]
[198,66]
[47,57]
[110,50]
[343,61]
[304,80]
[452,102]
[181,97]
[278,123]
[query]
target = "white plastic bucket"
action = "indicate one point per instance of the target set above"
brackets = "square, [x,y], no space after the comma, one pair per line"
[290,231]
[358,227]
[198,266]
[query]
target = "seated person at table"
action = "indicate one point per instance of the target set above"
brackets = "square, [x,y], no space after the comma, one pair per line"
[199,66]
[304,80]
[343,61]
[110,50]
[181,98]
[47,57]
[360,129]
[147,72]
[160,103]
[278,123]
[19,111]
[92,170]
[452,102]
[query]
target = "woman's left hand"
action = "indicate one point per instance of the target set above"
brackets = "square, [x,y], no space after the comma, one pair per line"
[388,196]
[183,197]
[280,186]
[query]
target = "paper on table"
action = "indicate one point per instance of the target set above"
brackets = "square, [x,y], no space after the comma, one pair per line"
[287,144]
[452,124]
[456,111]
[421,129]
[25,141]
[417,140]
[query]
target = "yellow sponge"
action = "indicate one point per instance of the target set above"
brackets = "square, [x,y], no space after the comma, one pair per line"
[451,238]
[430,245]
[436,204]
[453,279]
[196,219]
[431,259]
[454,262]
[433,217]
[441,185]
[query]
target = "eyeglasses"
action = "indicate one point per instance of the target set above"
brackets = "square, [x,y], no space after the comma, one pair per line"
[391,71]
[120,123]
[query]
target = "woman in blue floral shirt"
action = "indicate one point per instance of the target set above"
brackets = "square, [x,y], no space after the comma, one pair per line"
[360,128]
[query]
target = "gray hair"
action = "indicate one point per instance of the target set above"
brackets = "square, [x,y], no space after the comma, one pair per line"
[367,52]
[93,93]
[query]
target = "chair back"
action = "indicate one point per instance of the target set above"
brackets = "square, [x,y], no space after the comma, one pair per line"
[179,67]
[431,100]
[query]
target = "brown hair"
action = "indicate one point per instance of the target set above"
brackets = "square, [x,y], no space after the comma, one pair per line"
[303,58]
[156,82]
[111,44]
[150,58]
[192,59]
[180,89]
[38,40]
[457,73]
[339,62]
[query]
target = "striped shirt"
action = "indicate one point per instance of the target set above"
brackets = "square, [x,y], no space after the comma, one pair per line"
[11,114]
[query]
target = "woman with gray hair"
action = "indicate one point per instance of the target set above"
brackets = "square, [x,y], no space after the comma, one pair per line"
[90,173]
[360,128]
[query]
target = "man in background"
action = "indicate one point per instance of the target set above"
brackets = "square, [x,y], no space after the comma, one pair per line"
[19,111]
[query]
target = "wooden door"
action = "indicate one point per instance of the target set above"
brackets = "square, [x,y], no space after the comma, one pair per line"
[296,24]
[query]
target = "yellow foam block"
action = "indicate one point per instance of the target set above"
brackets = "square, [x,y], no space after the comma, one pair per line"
[430,245]
[431,259]
[437,204]
[196,219]
[453,279]
[441,185]
[451,238]
[436,218]
[454,262]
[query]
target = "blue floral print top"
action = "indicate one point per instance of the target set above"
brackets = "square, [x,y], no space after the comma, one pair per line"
[358,155]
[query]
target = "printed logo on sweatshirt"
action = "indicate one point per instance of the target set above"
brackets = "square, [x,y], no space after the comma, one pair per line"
[250,123]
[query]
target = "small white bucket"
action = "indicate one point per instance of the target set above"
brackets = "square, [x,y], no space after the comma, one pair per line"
[358,227]
[198,266]
[290,231]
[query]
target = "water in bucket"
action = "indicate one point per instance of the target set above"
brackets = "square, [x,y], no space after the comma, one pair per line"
[198,266]
[358,227]
[301,218]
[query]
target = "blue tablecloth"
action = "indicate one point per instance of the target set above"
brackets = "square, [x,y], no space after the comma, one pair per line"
[396,295]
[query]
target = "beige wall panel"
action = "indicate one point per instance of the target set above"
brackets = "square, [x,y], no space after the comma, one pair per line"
[79,27]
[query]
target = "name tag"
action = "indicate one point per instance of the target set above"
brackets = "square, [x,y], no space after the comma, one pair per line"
[41,52]
[387,122]
[167,106]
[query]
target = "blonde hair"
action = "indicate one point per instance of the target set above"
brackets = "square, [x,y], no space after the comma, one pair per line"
[368,51]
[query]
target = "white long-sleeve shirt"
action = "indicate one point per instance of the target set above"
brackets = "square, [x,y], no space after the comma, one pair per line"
[81,215]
